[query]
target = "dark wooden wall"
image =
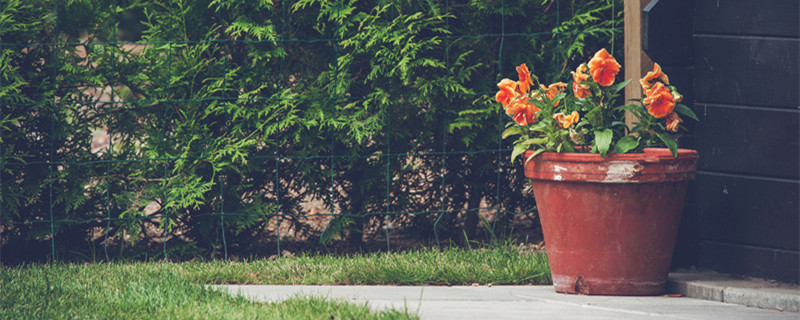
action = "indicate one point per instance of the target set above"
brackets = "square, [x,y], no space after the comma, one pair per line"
[743,65]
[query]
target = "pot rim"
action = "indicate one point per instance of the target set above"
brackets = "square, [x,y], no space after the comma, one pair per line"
[649,155]
[651,166]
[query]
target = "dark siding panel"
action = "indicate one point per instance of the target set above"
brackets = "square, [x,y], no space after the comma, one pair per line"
[667,32]
[747,71]
[753,261]
[748,17]
[748,210]
[743,211]
[686,245]
[748,141]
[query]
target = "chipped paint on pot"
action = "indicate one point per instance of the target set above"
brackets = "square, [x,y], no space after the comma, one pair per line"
[558,170]
[622,171]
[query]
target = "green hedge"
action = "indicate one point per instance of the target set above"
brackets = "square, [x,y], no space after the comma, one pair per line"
[224,116]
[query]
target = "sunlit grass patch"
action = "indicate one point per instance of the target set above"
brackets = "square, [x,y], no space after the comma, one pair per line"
[178,290]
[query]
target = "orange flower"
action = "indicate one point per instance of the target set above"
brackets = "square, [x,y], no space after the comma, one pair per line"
[523,112]
[603,68]
[578,76]
[673,121]
[525,80]
[507,92]
[659,101]
[553,90]
[566,121]
[652,76]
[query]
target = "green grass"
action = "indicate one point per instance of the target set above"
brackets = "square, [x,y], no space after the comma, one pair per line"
[176,290]
[426,266]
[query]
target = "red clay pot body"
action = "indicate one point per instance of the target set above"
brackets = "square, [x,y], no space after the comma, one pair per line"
[610,223]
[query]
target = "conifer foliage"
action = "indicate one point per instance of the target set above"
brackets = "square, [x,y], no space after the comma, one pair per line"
[206,123]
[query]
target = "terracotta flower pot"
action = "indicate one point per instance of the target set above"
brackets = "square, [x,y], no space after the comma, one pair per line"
[610,223]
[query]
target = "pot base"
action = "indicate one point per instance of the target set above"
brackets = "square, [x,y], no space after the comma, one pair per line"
[599,286]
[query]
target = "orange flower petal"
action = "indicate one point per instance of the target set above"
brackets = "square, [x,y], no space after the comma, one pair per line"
[523,112]
[650,78]
[663,77]
[659,101]
[645,84]
[573,117]
[603,68]
[565,121]
[554,89]
[673,122]
[507,92]
[578,76]
[525,80]
[581,90]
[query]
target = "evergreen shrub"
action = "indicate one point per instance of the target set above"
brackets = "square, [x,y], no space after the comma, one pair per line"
[223,118]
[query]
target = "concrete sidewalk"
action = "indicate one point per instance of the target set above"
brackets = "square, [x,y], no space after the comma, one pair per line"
[512,302]
[751,292]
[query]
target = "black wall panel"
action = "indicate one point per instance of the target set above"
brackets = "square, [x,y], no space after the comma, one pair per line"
[750,260]
[748,17]
[747,71]
[748,210]
[667,32]
[743,210]
[746,140]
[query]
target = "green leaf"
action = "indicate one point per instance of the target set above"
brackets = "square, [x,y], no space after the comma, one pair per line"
[619,86]
[593,116]
[510,131]
[534,141]
[540,126]
[627,143]
[534,154]
[519,149]
[602,140]
[670,142]
[568,147]
[557,98]
[684,110]
[619,124]
[629,107]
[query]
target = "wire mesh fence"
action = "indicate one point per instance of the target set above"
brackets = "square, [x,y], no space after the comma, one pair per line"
[213,128]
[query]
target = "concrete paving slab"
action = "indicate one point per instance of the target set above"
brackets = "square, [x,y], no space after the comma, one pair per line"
[749,292]
[511,302]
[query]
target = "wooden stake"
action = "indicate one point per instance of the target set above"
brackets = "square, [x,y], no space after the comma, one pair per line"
[637,63]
